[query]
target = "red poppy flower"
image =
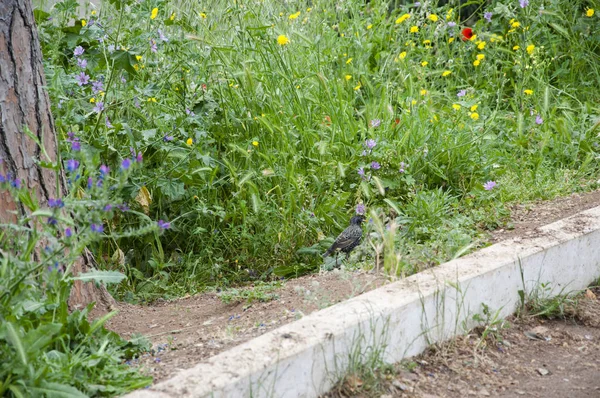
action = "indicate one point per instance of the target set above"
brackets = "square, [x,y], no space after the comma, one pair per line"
[467,33]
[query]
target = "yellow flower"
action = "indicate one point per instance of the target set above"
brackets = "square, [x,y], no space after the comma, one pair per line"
[309,9]
[446,73]
[474,115]
[413,102]
[83,23]
[480,57]
[516,48]
[172,17]
[476,62]
[294,16]
[450,40]
[154,13]
[530,49]
[348,77]
[189,141]
[414,29]
[589,12]
[427,42]
[136,67]
[449,14]
[349,60]
[528,92]
[403,18]
[93,12]
[456,107]
[282,40]
[423,92]
[138,57]
[357,87]
[403,55]
[369,26]
[515,24]
[481,45]
[474,108]
[433,17]
[151,99]
[202,15]
[424,63]
[473,38]
[255,143]
[92,100]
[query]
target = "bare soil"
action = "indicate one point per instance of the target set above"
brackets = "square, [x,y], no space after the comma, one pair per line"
[530,358]
[188,330]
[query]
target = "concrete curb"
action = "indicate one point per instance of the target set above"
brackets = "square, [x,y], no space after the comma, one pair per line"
[306,357]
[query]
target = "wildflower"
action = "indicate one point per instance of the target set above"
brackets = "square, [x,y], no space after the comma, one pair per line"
[202,15]
[55,203]
[413,102]
[375,123]
[52,221]
[423,92]
[161,36]
[516,48]
[99,107]
[104,170]
[369,26]
[189,142]
[82,63]
[403,55]
[348,61]
[108,123]
[108,207]
[154,13]
[92,100]
[282,40]
[139,158]
[528,91]
[414,29]
[16,183]
[153,46]
[446,73]
[90,183]
[361,172]
[167,138]
[451,24]
[450,40]
[488,16]
[163,224]
[402,18]
[83,23]
[375,165]
[476,62]
[82,79]
[357,87]
[403,167]
[523,3]
[125,164]
[348,77]
[255,143]
[589,12]
[530,48]
[294,16]
[72,165]
[456,107]
[474,108]
[427,43]
[360,209]
[75,145]
[488,186]
[98,228]
[433,18]
[515,24]
[68,232]
[467,34]
[474,115]
[539,120]
[97,86]
[481,45]
[370,143]
[480,57]
[461,93]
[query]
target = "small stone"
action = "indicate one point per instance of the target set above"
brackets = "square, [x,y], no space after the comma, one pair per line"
[484,392]
[399,385]
[543,372]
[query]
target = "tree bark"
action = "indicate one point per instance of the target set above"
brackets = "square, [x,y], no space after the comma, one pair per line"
[24,102]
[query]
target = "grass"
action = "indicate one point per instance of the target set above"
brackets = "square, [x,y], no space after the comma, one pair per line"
[258,153]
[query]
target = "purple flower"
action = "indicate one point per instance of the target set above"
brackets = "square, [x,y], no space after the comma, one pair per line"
[68,232]
[375,165]
[539,120]
[123,207]
[111,48]
[99,183]
[16,183]
[189,113]
[167,138]
[75,146]
[90,183]
[108,207]
[55,203]
[99,228]
[123,80]
[360,209]
[364,153]
[139,158]
[523,3]
[125,164]
[78,51]
[2,179]
[488,186]
[451,24]
[163,224]
[136,102]
[71,135]
[488,16]
[461,93]
[82,79]
[370,143]
[361,172]
[153,47]
[72,165]
[82,63]
[99,107]
[108,123]
[52,221]
[104,170]
[161,36]
[97,86]
[403,167]
[375,123]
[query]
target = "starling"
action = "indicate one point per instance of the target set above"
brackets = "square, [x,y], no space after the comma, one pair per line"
[348,239]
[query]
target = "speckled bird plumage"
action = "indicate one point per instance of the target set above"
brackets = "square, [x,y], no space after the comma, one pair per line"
[348,239]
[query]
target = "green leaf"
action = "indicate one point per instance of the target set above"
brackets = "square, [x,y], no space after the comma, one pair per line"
[57,390]
[172,189]
[13,337]
[40,337]
[100,276]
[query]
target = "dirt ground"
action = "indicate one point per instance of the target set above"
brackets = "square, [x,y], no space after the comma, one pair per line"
[528,357]
[188,330]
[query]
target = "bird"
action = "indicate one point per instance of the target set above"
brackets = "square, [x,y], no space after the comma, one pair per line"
[348,239]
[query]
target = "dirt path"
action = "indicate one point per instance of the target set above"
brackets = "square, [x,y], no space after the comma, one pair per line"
[186,331]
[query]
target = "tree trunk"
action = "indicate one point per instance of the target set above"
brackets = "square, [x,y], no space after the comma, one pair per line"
[24,102]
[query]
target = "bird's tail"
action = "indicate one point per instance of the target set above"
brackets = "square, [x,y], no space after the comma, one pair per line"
[327,253]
